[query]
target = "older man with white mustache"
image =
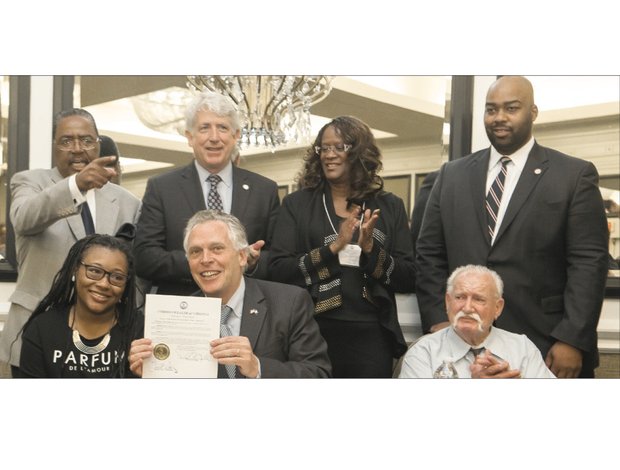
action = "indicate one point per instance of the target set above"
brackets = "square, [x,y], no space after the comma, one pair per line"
[472,347]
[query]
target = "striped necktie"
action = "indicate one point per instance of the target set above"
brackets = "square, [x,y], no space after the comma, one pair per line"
[225,330]
[494,197]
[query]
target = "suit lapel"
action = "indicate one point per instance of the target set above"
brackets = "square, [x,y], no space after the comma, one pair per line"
[55,175]
[107,210]
[254,312]
[240,194]
[536,165]
[191,188]
[76,226]
[477,174]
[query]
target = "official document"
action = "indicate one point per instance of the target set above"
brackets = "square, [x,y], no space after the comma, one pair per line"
[181,329]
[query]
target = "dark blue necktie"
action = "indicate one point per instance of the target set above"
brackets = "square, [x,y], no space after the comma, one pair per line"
[87,218]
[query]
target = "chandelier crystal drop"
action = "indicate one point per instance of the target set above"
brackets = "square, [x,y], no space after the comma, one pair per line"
[274,109]
[163,110]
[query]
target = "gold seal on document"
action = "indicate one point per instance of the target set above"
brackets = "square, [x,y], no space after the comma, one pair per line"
[161,351]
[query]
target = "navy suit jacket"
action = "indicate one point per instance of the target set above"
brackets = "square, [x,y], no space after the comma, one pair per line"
[551,249]
[171,199]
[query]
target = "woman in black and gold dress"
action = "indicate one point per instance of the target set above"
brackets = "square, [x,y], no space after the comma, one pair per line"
[347,241]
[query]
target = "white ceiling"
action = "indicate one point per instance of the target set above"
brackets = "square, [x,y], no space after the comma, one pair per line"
[408,109]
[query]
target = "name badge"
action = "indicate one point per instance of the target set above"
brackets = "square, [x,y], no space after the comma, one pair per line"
[350,255]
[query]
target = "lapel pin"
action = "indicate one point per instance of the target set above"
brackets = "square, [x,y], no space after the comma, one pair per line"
[245,186]
[537,171]
[253,311]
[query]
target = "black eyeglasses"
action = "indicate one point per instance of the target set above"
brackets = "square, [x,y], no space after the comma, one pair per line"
[85,143]
[96,274]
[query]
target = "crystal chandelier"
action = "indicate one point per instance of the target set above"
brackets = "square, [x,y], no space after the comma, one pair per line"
[274,109]
[163,110]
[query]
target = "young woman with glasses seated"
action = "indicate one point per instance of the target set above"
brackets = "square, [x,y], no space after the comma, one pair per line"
[347,241]
[85,324]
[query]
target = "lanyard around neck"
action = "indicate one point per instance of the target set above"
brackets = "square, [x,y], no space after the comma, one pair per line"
[330,219]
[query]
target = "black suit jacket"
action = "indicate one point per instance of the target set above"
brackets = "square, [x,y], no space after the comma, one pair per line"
[550,250]
[171,199]
[419,207]
[278,320]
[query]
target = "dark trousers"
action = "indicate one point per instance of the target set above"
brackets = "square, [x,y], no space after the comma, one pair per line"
[357,349]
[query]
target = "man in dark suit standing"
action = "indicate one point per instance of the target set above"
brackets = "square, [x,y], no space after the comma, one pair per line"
[536,218]
[271,331]
[210,181]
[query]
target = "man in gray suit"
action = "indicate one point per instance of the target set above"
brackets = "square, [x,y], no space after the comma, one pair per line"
[272,328]
[211,181]
[52,209]
[542,228]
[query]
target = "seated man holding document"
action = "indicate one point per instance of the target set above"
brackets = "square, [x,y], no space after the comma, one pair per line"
[471,347]
[267,329]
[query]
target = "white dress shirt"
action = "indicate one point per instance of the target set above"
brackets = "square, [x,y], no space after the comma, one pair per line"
[513,172]
[81,198]
[236,304]
[428,354]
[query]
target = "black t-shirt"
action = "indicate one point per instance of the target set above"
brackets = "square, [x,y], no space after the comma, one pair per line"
[48,350]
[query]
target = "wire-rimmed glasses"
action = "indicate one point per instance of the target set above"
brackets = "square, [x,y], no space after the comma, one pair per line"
[339,148]
[84,143]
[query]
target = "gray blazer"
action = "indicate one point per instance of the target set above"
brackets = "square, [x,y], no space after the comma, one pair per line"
[47,224]
[278,320]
